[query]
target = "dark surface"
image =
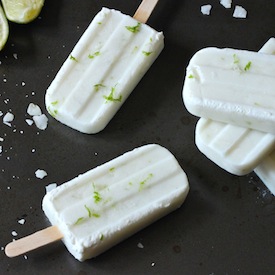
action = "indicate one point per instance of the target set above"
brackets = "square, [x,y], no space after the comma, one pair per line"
[226,225]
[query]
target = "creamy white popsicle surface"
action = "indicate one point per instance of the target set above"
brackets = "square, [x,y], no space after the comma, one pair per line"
[232,86]
[109,203]
[104,67]
[236,149]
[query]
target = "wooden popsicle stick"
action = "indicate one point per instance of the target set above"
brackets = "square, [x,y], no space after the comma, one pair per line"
[33,241]
[144,10]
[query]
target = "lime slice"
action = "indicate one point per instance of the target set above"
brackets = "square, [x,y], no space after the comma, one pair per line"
[4,29]
[22,11]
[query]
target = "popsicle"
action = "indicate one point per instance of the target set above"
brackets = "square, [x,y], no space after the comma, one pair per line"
[239,150]
[266,172]
[236,149]
[109,203]
[232,86]
[104,67]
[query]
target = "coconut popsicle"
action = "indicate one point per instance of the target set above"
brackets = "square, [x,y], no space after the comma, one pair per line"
[236,149]
[232,86]
[109,203]
[103,68]
[266,172]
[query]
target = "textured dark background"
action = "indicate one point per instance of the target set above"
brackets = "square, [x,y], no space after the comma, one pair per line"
[226,225]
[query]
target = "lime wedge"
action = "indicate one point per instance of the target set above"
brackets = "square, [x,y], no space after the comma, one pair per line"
[4,29]
[22,11]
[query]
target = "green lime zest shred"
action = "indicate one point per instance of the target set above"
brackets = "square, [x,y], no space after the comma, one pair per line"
[98,86]
[142,183]
[97,197]
[146,53]
[91,56]
[79,220]
[247,66]
[73,58]
[111,97]
[134,29]
[88,210]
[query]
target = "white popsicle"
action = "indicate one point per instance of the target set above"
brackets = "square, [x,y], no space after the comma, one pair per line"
[232,86]
[239,150]
[236,149]
[104,67]
[109,203]
[266,172]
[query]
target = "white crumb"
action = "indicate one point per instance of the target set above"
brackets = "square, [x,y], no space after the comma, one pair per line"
[40,174]
[41,121]
[34,110]
[29,121]
[140,245]
[205,9]
[50,187]
[239,12]
[8,118]
[14,233]
[21,221]
[226,3]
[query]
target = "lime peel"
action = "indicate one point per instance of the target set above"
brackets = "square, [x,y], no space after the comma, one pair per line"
[22,11]
[4,29]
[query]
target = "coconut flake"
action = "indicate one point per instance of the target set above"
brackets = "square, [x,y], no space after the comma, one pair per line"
[226,3]
[34,110]
[50,187]
[22,221]
[8,118]
[41,121]
[205,9]
[239,12]
[29,121]
[40,174]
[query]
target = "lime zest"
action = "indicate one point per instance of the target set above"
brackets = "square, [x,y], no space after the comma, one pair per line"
[88,210]
[248,66]
[92,56]
[98,86]
[146,53]
[142,183]
[134,29]
[79,220]
[111,97]
[73,58]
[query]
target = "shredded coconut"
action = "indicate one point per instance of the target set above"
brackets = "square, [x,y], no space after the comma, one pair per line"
[29,121]
[8,118]
[50,187]
[22,221]
[226,3]
[34,110]
[239,12]
[41,121]
[205,9]
[40,174]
